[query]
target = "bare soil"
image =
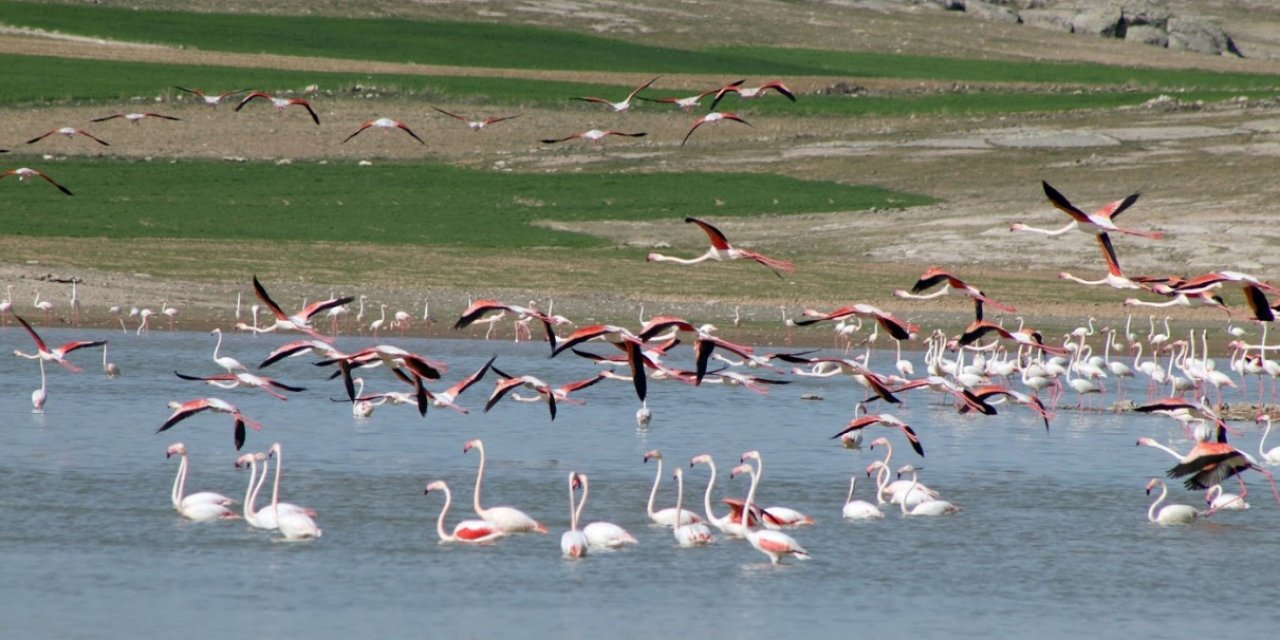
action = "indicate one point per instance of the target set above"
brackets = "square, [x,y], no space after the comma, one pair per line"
[1207,175]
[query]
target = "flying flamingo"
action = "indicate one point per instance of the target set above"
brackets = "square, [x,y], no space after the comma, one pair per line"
[546,392]
[1169,514]
[774,544]
[59,355]
[859,509]
[712,118]
[385,124]
[134,118]
[599,534]
[475,125]
[898,329]
[774,517]
[1026,337]
[693,534]
[1101,221]
[934,276]
[476,312]
[687,104]
[448,398]
[24,174]
[69,132]
[184,410]
[280,103]
[747,93]
[928,507]
[889,420]
[509,519]
[619,107]
[665,517]
[573,543]
[244,379]
[594,135]
[300,321]
[178,493]
[467,531]
[721,250]
[211,100]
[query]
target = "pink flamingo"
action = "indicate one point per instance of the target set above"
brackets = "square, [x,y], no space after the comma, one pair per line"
[69,132]
[214,99]
[774,517]
[686,104]
[712,118]
[721,250]
[135,118]
[280,103]
[619,107]
[508,519]
[934,276]
[385,124]
[300,321]
[747,93]
[467,531]
[774,544]
[693,534]
[475,125]
[24,174]
[665,517]
[573,543]
[178,493]
[184,410]
[58,355]
[1099,222]
[594,135]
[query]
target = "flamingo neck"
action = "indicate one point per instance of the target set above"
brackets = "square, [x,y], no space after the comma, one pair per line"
[1262,449]
[915,480]
[577,512]
[853,482]
[746,506]
[479,481]
[1151,511]
[179,481]
[250,493]
[275,487]
[440,530]
[706,498]
[653,493]
[217,346]
[679,496]
[882,481]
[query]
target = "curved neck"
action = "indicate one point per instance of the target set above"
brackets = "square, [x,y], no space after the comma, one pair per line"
[275,487]
[582,502]
[679,496]
[1261,443]
[914,481]
[440,530]
[882,481]
[479,480]
[706,498]
[653,493]
[217,346]
[573,506]
[751,495]
[1151,512]
[249,491]
[179,480]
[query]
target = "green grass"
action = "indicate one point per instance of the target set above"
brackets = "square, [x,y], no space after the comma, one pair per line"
[45,80]
[427,204]
[509,46]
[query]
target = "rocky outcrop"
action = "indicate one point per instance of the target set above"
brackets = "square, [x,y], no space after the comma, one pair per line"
[1147,22]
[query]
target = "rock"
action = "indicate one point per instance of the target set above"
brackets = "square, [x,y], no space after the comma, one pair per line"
[1200,36]
[1051,19]
[1147,34]
[1146,13]
[1107,21]
[992,11]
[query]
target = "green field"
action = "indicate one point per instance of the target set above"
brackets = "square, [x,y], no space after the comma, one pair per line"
[425,204]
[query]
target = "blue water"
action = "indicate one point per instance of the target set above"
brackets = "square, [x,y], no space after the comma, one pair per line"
[1053,536]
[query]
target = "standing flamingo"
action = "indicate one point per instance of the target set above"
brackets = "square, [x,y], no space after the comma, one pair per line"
[1217,500]
[665,517]
[226,362]
[776,517]
[43,306]
[721,250]
[774,544]
[688,535]
[930,507]
[39,396]
[605,535]
[264,518]
[509,519]
[1269,456]
[178,494]
[729,524]
[573,543]
[467,531]
[295,524]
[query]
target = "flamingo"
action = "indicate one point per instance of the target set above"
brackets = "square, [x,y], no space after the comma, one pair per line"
[134,118]
[45,307]
[898,490]
[729,524]
[775,517]
[244,379]
[599,534]
[280,103]
[59,355]
[24,174]
[859,509]
[573,543]
[693,534]
[1098,222]
[214,99]
[476,312]
[1169,514]
[928,507]
[898,329]
[6,305]
[934,276]
[747,93]
[665,517]
[508,519]
[226,362]
[376,325]
[184,410]
[295,523]
[69,132]
[1269,456]
[619,107]
[594,135]
[39,396]
[264,518]
[774,544]
[721,250]
[712,118]
[546,392]
[178,494]
[75,305]
[686,104]
[467,531]
[109,368]
[300,321]
[401,321]
[1217,500]
[448,398]
[859,423]
[386,124]
[475,125]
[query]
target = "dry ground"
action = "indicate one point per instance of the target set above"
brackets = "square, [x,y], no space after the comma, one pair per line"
[1206,174]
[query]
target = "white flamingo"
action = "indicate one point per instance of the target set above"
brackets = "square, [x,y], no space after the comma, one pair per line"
[859,509]
[689,535]
[600,534]
[665,517]
[177,494]
[467,531]
[774,544]
[1169,514]
[509,519]
[573,543]
[927,507]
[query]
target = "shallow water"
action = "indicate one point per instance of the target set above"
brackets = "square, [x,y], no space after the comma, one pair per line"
[1053,536]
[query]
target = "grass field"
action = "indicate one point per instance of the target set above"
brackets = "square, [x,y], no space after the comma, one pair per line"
[425,204]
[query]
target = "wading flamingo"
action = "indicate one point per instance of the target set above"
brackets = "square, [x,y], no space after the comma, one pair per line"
[688,535]
[729,524]
[1217,500]
[39,396]
[264,518]
[721,250]
[178,494]
[226,362]
[774,544]
[775,517]
[859,509]
[605,535]
[467,531]
[665,517]
[931,507]
[509,519]
[1168,514]
[295,524]
[573,543]
[109,368]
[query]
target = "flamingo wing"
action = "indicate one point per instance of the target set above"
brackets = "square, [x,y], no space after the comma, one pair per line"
[725,90]
[1113,209]
[717,237]
[252,96]
[451,115]
[632,95]
[503,388]
[775,265]
[50,181]
[93,137]
[324,305]
[699,123]
[401,126]
[466,382]
[42,136]
[106,118]
[358,131]
[494,120]
[34,336]
[185,411]
[266,299]
[1060,202]
[79,344]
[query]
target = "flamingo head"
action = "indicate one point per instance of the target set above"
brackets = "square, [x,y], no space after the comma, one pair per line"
[652,455]
[1151,485]
[260,456]
[651,257]
[176,449]
[742,468]
[678,474]
[1017,226]
[435,485]
[750,455]
[275,450]
[700,459]
[246,460]
[881,440]
[172,404]
[472,444]
[906,468]
[578,480]
[871,468]
[216,331]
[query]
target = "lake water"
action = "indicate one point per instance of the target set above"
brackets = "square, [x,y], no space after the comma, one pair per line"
[1053,537]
